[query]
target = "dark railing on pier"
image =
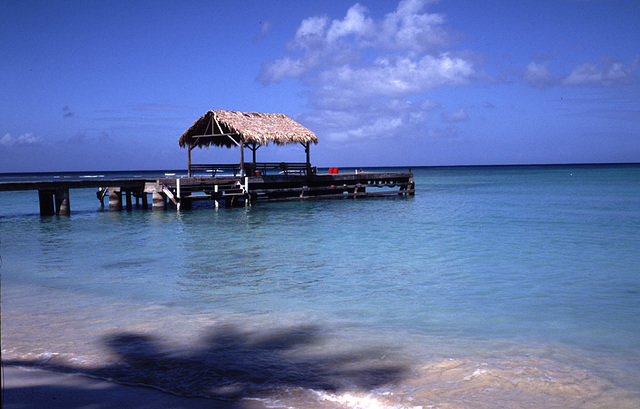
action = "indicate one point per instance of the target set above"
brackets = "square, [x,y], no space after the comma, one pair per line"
[256,169]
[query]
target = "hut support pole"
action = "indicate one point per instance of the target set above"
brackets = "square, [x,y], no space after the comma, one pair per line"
[241,157]
[306,151]
[189,158]
[254,148]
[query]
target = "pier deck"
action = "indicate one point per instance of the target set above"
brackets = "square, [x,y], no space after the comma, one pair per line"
[228,190]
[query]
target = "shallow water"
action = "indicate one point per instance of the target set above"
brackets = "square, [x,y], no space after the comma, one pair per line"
[506,286]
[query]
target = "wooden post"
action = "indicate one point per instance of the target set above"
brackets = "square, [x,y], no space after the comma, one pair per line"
[115,198]
[62,202]
[241,156]
[189,159]
[46,202]
[129,204]
[145,200]
[306,150]
[412,186]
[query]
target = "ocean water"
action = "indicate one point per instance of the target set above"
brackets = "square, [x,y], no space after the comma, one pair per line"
[514,287]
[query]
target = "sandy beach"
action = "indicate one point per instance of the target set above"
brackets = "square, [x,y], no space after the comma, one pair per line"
[24,389]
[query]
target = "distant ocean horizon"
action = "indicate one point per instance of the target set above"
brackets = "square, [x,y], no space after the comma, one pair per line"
[494,286]
[182,172]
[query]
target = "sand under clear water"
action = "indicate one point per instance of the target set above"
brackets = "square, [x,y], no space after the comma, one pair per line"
[492,287]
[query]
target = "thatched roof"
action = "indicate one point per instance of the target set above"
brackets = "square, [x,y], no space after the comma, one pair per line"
[218,127]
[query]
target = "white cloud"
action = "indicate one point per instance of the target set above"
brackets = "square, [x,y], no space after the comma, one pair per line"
[428,105]
[266,27]
[603,74]
[606,73]
[284,68]
[311,32]
[408,27]
[456,116]
[538,75]
[355,23]
[374,118]
[398,77]
[409,30]
[21,140]
[361,71]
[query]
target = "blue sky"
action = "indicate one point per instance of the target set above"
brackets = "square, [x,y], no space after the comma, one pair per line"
[111,85]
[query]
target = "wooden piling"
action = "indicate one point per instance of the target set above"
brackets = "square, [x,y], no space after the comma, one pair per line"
[145,201]
[46,202]
[129,204]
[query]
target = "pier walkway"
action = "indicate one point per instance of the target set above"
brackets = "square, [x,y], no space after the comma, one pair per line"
[229,191]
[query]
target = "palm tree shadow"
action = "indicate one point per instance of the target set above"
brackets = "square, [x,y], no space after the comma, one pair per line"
[230,364]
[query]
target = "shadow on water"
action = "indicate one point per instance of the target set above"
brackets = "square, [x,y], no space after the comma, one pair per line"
[230,364]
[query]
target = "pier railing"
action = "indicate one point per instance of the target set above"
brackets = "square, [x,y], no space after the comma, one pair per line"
[257,168]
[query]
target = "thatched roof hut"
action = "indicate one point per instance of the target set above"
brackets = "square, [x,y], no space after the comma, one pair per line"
[229,128]
[246,130]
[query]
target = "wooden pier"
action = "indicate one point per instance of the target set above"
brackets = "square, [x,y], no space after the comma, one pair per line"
[240,184]
[227,191]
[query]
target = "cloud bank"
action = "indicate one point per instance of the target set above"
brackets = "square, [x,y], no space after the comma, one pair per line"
[605,73]
[22,140]
[369,77]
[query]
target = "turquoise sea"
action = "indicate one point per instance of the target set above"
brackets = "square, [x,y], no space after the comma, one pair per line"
[514,287]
